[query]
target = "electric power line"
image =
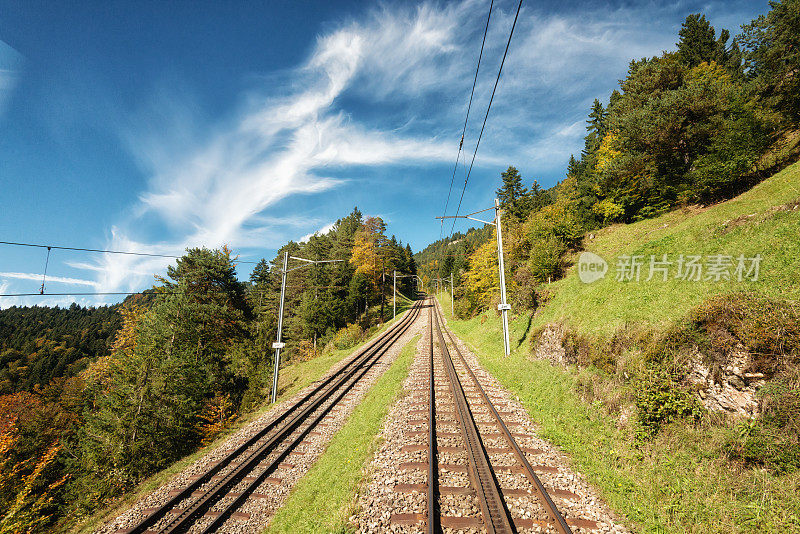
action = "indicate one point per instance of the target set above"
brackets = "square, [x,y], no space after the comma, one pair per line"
[466,119]
[79,249]
[489,107]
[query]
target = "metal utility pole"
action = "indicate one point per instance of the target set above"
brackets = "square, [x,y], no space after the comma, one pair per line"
[503,306]
[383,280]
[395,276]
[443,283]
[278,345]
[452,297]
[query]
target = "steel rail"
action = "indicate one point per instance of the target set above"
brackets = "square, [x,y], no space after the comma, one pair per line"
[349,367]
[433,520]
[496,516]
[235,477]
[554,516]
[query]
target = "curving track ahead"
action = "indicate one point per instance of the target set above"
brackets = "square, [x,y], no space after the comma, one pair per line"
[206,504]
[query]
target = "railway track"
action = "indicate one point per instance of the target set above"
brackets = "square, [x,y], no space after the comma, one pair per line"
[213,498]
[471,455]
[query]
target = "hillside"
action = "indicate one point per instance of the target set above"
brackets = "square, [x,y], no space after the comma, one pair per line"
[38,344]
[765,220]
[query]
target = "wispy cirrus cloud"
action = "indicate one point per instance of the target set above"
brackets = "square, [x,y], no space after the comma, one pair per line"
[49,279]
[214,192]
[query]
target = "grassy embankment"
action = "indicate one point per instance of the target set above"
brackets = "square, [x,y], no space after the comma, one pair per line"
[760,221]
[294,377]
[324,499]
[681,480]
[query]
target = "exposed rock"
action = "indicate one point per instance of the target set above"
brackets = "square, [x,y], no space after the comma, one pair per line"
[550,345]
[724,389]
[731,390]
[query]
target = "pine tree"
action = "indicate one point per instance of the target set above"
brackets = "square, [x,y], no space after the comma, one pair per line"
[697,41]
[160,384]
[260,272]
[596,126]
[513,196]
[698,44]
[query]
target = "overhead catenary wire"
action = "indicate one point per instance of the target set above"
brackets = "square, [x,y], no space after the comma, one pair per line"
[44,274]
[81,249]
[486,116]
[466,118]
[154,292]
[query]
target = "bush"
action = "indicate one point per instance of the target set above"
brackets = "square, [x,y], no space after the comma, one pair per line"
[556,221]
[348,337]
[547,258]
[768,328]
[768,447]
[773,439]
[522,290]
[660,400]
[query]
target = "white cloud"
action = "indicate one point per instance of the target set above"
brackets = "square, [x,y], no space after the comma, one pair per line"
[49,279]
[214,192]
[322,231]
[11,63]
[7,302]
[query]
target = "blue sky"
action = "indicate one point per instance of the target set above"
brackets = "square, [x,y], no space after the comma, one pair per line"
[153,126]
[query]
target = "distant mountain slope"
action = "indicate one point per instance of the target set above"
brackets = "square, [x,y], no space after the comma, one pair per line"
[38,344]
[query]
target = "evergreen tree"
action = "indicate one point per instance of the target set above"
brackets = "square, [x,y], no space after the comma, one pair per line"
[697,41]
[513,196]
[260,272]
[159,384]
[771,47]
[597,120]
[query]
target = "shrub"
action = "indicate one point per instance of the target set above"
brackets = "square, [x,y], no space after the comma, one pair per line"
[556,220]
[547,258]
[769,328]
[773,439]
[522,290]
[660,399]
[768,447]
[348,337]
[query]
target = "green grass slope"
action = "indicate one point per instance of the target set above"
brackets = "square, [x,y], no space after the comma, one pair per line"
[765,220]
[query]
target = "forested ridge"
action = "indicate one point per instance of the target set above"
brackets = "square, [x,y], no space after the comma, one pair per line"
[98,399]
[39,343]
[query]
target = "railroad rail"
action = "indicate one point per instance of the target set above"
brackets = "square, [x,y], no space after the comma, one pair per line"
[495,516]
[553,516]
[264,451]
